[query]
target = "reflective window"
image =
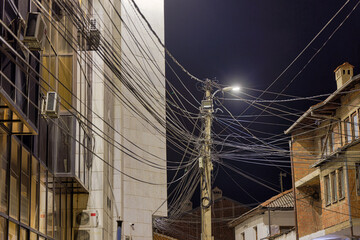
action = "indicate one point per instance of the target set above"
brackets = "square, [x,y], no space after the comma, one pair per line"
[23,234]
[25,186]
[42,222]
[3,174]
[34,223]
[3,228]
[33,236]
[13,231]
[355,125]
[50,206]
[14,180]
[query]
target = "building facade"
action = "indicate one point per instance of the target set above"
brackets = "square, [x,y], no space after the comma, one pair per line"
[81,154]
[273,219]
[324,155]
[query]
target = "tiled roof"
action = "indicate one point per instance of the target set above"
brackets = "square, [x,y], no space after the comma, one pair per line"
[158,236]
[282,200]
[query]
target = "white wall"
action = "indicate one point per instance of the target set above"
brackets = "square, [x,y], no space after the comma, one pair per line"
[140,200]
[277,218]
[131,201]
[289,236]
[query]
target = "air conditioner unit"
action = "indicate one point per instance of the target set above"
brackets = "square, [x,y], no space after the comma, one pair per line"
[86,219]
[93,42]
[35,31]
[85,234]
[52,105]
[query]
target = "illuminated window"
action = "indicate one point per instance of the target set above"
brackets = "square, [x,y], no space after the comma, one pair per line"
[3,174]
[25,186]
[14,180]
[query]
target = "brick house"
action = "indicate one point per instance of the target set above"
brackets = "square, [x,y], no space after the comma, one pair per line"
[188,225]
[324,151]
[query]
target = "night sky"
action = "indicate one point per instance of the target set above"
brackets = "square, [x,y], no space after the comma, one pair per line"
[250,43]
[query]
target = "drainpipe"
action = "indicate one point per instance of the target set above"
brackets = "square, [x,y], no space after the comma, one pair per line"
[294,192]
[348,197]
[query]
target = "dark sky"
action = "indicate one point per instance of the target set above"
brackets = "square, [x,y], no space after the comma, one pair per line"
[251,42]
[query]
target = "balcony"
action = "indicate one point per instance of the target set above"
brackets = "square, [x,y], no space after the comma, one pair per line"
[72,153]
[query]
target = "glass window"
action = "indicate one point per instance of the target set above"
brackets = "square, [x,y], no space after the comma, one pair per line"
[355,125]
[34,220]
[57,213]
[357,168]
[347,129]
[333,187]
[324,146]
[65,77]
[33,236]
[50,206]
[14,180]
[23,234]
[3,174]
[42,222]
[341,183]
[13,231]
[25,186]
[63,213]
[337,137]
[3,228]
[327,190]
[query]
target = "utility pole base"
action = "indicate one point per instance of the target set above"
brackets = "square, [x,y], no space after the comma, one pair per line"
[203,238]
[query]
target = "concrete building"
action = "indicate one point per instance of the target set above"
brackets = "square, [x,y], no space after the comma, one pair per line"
[82,119]
[324,156]
[273,219]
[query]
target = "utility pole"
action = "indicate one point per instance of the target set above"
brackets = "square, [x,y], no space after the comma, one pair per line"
[205,165]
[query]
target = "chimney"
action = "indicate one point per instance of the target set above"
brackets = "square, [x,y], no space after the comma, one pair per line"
[343,73]
[187,206]
[217,193]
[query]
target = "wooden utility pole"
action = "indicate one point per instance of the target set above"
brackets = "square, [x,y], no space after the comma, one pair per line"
[206,166]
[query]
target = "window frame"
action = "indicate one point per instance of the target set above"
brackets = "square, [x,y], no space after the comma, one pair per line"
[341,183]
[353,127]
[357,178]
[347,131]
[327,190]
[334,187]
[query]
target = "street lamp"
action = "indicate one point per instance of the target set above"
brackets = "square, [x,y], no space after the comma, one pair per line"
[205,164]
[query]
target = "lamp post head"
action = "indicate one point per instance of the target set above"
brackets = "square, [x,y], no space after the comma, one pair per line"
[231,88]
